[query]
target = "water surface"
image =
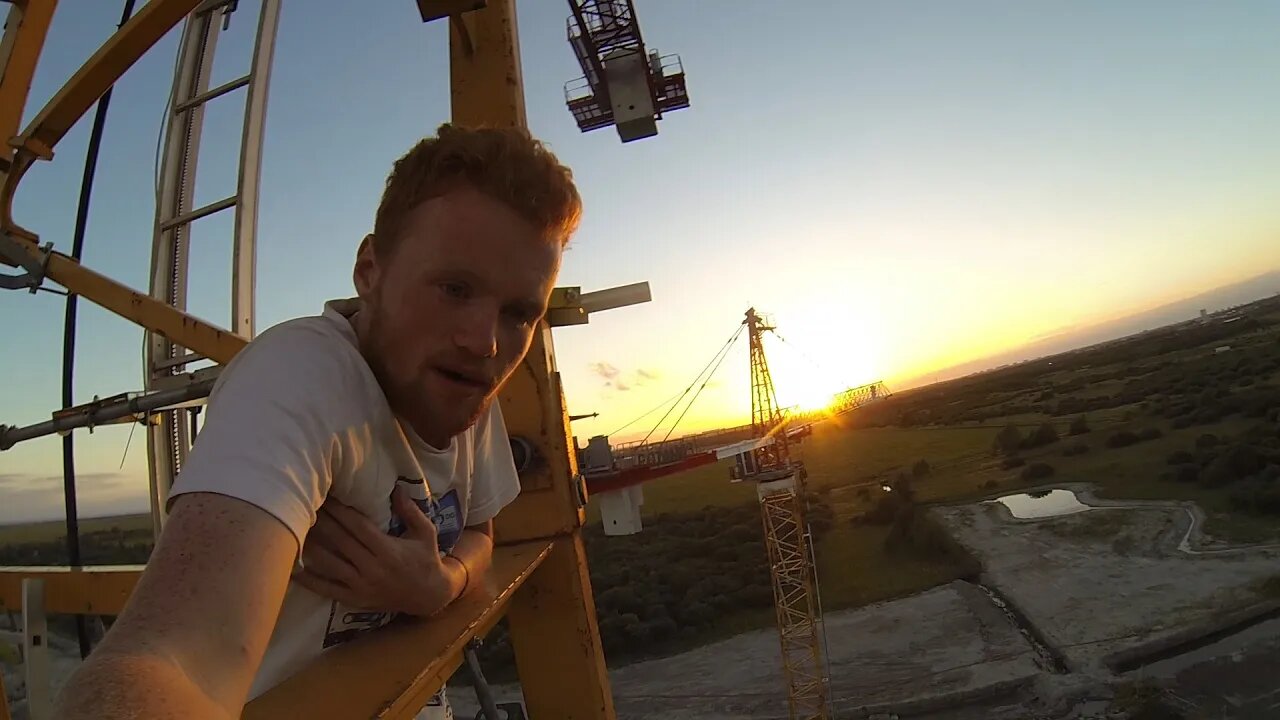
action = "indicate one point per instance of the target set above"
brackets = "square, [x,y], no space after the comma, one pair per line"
[1042,504]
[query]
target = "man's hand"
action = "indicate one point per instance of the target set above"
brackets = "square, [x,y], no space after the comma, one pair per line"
[350,559]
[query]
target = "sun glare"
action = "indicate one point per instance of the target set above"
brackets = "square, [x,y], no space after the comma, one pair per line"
[805,391]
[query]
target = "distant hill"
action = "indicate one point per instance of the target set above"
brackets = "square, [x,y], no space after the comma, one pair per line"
[1178,311]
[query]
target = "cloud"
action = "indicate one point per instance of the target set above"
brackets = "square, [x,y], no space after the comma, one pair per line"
[613,377]
[605,370]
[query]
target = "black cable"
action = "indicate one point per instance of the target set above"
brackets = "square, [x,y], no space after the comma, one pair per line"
[69,340]
[700,389]
[723,349]
[680,394]
[655,409]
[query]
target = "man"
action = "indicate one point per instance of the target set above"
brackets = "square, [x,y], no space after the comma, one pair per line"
[351,463]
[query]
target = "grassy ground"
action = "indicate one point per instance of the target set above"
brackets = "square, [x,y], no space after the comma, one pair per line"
[838,457]
[849,465]
[854,570]
[56,529]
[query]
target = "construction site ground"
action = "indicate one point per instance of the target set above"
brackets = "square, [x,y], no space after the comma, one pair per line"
[1060,602]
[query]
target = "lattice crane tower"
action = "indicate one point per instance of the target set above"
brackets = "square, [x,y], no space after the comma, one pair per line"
[780,487]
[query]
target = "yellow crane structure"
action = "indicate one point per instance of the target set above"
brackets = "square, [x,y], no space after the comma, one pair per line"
[538,580]
[780,484]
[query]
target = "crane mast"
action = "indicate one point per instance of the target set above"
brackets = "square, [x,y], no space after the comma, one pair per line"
[780,489]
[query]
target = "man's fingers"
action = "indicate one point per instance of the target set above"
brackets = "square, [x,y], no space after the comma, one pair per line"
[334,536]
[417,525]
[320,560]
[328,588]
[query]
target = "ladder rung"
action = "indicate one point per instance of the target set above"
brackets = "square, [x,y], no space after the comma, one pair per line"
[198,213]
[208,95]
[176,361]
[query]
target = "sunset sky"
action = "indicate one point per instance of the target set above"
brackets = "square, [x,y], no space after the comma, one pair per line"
[903,186]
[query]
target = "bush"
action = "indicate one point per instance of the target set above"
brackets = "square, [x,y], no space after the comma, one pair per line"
[990,484]
[1187,473]
[1123,438]
[1076,448]
[1008,441]
[1206,440]
[1046,434]
[1179,457]
[1012,462]
[1237,463]
[1037,471]
[1150,433]
[921,468]
[1258,404]
[1079,426]
[1257,496]
[1208,415]
[1181,422]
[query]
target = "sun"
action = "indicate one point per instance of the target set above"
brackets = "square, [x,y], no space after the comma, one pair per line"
[805,390]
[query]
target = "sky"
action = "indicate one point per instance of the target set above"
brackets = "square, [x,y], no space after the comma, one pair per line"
[903,187]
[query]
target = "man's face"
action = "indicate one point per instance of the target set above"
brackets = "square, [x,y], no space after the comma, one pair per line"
[451,309]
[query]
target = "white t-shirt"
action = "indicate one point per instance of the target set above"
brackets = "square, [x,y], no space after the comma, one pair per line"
[297,416]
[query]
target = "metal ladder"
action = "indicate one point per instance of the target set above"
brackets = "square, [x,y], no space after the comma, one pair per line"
[166,364]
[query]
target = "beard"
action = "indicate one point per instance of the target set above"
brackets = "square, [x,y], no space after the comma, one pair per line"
[435,420]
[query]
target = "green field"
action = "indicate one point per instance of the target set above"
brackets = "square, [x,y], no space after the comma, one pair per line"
[1171,385]
[57,530]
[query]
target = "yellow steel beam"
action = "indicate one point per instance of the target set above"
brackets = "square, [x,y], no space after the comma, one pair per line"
[22,44]
[393,672]
[487,90]
[101,590]
[25,30]
[557,644]
[98,73]
[182,328]
[553,622]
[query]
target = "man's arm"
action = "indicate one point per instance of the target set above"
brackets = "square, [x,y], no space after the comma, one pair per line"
[349,559]
[193,634]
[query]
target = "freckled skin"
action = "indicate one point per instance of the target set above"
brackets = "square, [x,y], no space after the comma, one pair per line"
[460,291]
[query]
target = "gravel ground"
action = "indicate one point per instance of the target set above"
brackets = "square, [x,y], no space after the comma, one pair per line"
[947,640]
[1092,587]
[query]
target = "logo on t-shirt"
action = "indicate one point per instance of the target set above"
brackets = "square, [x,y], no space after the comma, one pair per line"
[445,513]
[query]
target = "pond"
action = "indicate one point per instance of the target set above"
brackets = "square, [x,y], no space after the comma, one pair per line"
[1042,504]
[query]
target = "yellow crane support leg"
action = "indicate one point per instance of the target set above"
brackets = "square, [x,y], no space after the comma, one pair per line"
[552,617]
[26,27]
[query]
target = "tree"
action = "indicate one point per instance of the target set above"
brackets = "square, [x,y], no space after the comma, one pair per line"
[1123,438]
[1012,462]
[1079,426]
[1046,434]
[1008,441]
[1037,471]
